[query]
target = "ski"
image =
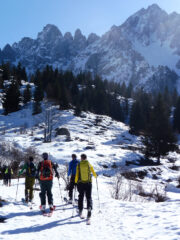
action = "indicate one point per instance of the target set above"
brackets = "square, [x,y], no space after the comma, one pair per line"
[50,214]
[69,201]
[28,204]
[24,201]
[47,214]
[82,216]
[88,221]
[44,213]
[65,199]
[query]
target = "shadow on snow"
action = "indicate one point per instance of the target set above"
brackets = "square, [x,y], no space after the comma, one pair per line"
[39,228]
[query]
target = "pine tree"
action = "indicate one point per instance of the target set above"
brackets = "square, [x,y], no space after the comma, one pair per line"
[174,97]
[74,92]
[38,97]
[160,138]
[176,117]
[123,89]
[140,112]
[27,94]
[37,108]
[137,120]
[12,97]
[38,93]
[77,111]
[6,71]
[18,73]
[24,75]
[116,111]
[64,98]
[129,90]
[126,108]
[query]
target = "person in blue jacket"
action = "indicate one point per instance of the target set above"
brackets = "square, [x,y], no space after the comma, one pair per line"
[71,175]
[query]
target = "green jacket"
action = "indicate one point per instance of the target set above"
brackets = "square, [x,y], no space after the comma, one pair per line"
[29,168]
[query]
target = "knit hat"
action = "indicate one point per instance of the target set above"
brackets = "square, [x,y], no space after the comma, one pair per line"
[45,156]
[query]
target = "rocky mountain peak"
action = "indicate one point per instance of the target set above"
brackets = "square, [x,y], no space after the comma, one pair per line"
[80,41]
[68,36]
[8,53]
[78,35]
[144,23]
[154,8]
[92,38]
[50,33]
[25,43]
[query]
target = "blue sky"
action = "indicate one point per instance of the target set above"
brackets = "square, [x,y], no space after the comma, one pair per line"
[22,18]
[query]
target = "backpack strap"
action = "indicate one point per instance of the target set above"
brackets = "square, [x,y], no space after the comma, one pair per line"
[89,173]
[79,172]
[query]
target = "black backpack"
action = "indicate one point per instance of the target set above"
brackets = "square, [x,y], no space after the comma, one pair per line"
[31,171]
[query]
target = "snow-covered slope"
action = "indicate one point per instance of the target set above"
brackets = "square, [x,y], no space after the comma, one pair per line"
[84,132]
[105,143]
[117,220]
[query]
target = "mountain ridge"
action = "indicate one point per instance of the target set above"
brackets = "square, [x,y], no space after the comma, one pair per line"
[130,53]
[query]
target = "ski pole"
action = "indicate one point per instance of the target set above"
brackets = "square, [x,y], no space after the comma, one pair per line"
[74,195]
[60,192]
[17,189]
[34,188]
[98,195]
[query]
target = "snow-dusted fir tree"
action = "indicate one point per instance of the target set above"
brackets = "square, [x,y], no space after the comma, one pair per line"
[38,97]
[27,94]
[12,97]
[160,139]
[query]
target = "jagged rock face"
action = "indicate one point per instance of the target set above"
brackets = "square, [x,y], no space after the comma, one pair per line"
[8,54]
[153,24]
[49,35]
[128,53]
[92,38]
[162,78]
[143,24]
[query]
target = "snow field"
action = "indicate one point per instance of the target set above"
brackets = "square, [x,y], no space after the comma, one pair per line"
[117,220]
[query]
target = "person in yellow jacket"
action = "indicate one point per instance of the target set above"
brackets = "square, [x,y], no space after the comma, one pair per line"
[83,179]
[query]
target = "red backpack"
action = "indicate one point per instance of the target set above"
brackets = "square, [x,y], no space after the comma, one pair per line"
[46,170]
